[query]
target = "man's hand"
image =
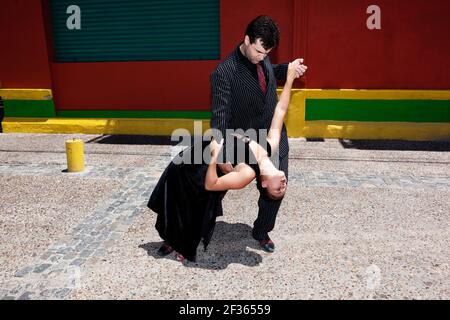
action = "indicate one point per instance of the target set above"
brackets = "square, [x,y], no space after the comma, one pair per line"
[299,66]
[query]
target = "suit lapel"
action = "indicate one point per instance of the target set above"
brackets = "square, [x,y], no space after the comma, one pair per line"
[246,78]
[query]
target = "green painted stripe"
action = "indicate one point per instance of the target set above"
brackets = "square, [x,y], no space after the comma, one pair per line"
[134,114]
[29,108]
[378,110]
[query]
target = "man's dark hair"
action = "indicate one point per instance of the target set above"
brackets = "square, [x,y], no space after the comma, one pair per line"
[266,29]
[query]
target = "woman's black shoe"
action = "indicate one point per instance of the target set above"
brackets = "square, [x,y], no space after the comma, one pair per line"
[164,250]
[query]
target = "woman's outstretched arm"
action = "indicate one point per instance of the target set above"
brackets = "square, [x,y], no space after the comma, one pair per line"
[276,126]
[231,181]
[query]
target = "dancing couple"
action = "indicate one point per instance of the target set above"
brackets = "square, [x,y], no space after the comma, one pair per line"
[188,196]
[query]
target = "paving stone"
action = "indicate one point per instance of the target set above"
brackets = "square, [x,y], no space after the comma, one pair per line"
[62,293]
[26,296]
[85,253]
[70,256]
[41,268]
[24,271]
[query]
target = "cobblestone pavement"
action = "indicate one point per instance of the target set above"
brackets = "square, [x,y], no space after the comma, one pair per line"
[56,272]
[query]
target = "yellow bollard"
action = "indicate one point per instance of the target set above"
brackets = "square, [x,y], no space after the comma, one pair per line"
[75,155]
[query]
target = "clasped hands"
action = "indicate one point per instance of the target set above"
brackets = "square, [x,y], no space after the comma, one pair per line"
[299,67]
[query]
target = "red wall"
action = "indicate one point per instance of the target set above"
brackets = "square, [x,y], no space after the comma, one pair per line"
[169,85]
[410,52]
[23,54]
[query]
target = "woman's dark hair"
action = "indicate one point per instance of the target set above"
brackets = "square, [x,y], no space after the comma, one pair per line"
[264,28]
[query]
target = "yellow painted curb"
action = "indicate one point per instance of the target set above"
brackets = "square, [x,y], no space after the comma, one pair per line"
[26,94]
[308,129]
[103,126]
[376,130]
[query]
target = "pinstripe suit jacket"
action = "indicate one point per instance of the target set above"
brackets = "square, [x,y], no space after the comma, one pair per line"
[238,102]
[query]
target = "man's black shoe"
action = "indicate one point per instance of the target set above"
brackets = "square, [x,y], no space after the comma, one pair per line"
[164,250]
[267,245]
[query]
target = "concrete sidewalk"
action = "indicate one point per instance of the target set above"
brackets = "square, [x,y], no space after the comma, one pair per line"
[361,220]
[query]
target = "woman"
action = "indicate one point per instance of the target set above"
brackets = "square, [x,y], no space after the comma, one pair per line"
[188,197]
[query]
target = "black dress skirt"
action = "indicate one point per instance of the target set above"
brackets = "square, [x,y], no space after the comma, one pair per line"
[186,211]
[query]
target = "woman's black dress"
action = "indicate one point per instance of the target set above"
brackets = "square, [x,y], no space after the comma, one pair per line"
[186,210]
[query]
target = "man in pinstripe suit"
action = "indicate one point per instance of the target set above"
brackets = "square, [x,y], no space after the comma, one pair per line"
[243,94]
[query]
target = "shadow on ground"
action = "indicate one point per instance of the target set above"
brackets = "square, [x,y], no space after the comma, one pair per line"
[396,145]
[133,140]
[228,245]
[146,140]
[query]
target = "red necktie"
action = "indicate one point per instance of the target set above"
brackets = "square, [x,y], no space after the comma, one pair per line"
[261,78]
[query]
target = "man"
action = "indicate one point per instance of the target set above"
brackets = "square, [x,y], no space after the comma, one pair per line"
[243,92]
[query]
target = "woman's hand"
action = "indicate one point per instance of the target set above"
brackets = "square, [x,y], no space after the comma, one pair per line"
[296,69]
[292,72]
[215,149]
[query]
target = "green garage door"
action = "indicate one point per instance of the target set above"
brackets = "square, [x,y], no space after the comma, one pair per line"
[135,30]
